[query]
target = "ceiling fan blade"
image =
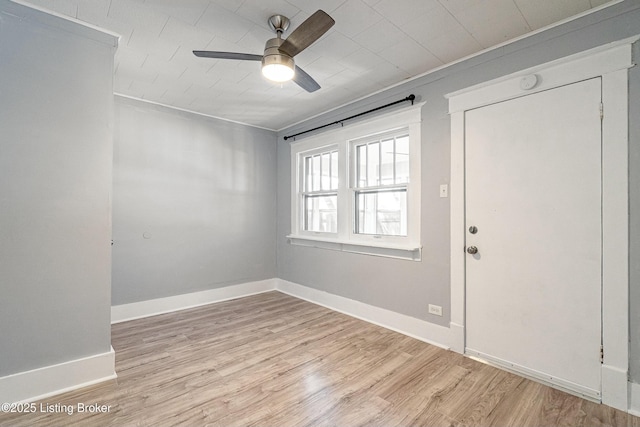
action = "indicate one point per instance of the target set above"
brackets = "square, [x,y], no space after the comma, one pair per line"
[305,81]
[227,55]
[307,33]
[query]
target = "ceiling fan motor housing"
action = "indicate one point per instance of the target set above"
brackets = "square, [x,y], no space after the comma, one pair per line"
[274,56]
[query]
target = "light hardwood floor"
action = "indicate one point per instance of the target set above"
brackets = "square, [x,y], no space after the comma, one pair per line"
[274,360]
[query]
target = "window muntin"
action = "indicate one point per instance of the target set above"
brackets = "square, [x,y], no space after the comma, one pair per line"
[320,195]
[380,185]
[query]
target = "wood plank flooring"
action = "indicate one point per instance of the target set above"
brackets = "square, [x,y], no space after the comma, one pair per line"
[274,360]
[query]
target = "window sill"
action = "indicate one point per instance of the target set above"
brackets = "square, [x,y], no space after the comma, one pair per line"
[389,251]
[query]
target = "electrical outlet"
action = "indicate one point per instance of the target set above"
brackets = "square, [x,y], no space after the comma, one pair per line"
[435,309]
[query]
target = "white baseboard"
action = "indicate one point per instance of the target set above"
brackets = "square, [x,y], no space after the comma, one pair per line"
[137,310]
[50,380]
[47,381]
[406,325]
[615,391]
[410,326]
[634,399]
[448,338]
[457,337]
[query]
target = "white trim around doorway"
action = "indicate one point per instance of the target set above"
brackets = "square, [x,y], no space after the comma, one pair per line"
[610,62]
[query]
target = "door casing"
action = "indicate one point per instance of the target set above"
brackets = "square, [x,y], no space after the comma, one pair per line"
[610,62]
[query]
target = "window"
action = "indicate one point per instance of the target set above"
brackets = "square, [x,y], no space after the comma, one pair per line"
[357,188]
[320,192]
[380,187]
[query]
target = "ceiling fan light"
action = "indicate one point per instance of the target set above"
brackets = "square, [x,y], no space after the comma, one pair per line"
[277,66]
[277,72]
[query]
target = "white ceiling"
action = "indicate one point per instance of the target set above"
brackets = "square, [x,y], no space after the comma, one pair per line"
[374,44]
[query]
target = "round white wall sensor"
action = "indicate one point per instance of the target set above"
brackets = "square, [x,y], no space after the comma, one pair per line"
[528,82]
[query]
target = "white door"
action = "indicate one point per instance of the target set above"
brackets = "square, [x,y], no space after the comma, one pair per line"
[533,191]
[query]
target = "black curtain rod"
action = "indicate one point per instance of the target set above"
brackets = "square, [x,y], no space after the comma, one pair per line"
[411,98]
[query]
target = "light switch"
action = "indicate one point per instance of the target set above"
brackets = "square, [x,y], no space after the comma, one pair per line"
[444,190]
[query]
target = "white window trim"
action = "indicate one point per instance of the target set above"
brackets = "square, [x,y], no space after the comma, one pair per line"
[414,176]
[346,240]
[300,183]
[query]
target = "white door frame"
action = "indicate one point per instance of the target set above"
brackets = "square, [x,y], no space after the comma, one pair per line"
[610,62]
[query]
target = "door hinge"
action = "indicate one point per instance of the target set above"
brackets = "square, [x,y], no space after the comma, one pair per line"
[601,354]
[601,111]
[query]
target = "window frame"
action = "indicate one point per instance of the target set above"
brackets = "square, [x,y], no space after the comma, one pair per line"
[302,192]
[355,189]
[345,139]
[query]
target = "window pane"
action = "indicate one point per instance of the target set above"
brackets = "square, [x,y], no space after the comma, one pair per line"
[382,213]
[326,171]
[373,164]
[402,159]
[321,172]
[387,163]
[321,213]
[361,154]
[308,177]
[316,173]
[334,170]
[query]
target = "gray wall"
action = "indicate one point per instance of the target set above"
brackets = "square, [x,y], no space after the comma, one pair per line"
[194,202]
[56,121]
[407,287]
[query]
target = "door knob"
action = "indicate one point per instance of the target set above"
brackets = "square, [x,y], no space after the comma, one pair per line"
[472,250]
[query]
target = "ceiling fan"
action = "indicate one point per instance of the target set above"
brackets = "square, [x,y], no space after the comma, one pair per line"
[277,61]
